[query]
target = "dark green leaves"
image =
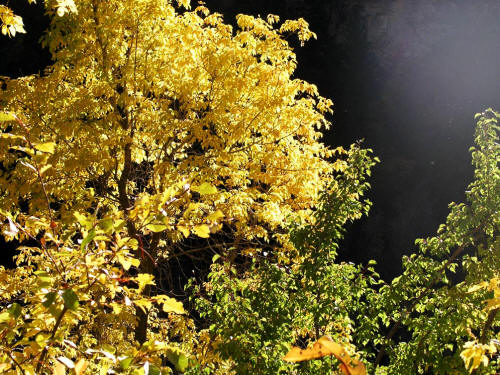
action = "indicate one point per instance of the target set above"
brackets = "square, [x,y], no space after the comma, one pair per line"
[70,299]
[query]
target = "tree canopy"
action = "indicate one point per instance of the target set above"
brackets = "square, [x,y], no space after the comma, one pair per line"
[161,135]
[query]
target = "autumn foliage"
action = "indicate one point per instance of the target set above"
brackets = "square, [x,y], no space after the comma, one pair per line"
[162,137]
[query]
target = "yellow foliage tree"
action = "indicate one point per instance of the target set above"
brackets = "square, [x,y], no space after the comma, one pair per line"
[153,129]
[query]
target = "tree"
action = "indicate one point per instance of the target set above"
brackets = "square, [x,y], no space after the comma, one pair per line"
[446,301]
[257,313]
[436,299]
[156,134]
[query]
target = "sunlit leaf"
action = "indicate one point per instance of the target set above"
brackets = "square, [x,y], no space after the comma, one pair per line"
[205,189]
[202,230]
[7,116]
[88,239]
[170,305]
[144,279]
[178,359]
[45,147]
[156,227]
[125,363]
[58,369]
[325,347]
[80,366]
[184,230]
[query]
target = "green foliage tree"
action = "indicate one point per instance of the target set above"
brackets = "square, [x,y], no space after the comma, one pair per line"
[438,300]
[258,311]
[435,299]
[159,134]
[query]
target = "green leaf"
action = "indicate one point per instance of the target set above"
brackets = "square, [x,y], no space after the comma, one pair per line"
[178,359]
[49,299]
[44,278]
[204,189]
[125,363]
[15,310]
[70,299]
[83,220]
[7,116]
[87,239]
[154,370]
[106,224]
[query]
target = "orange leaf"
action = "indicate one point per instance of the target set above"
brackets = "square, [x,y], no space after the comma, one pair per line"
[323,347]
[80,366]
[58,369]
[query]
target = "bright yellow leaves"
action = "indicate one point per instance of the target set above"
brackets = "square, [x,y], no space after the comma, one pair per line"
[493,285]
[170,305]
[65,6]
[204,189]
[10,23]
[153,127]
[45,147]
[7,116]
[325,346]
[475,353]
[202,230]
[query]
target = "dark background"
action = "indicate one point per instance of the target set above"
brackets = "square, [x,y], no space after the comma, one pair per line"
[405,76]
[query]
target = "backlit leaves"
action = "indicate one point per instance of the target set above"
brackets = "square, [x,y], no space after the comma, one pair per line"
[10,25]
[325,346]
[7,116]
[46,147]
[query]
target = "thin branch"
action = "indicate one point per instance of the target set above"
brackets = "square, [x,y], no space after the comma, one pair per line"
[17,363]
[53,334]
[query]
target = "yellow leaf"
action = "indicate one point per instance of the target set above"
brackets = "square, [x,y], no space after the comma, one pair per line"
[143,304]
[184,230]
[4,367]
[202,230]
[170,305]
[156,227]
[144,279]
[46,147]
[127,261]
[204,189]
[215,216]
[7,116]
[45,168]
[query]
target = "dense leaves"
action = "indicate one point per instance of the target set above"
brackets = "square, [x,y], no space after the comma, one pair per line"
[162,135]
[158,134]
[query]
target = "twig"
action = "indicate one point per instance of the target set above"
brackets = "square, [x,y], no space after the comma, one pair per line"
[53,334]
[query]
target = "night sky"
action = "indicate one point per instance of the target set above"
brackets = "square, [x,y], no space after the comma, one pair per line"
[405,76]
